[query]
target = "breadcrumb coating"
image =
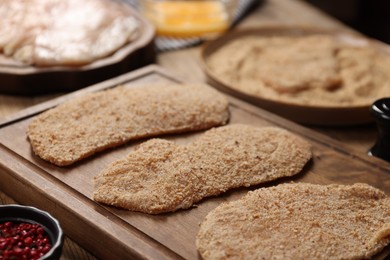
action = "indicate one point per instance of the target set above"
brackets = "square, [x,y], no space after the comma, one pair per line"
[92,123]
[313,70]
[298,221]
[162,176]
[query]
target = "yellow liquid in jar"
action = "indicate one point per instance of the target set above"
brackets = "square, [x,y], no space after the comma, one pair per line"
[188,18]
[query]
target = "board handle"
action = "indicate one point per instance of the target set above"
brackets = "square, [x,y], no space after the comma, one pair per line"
[380,110]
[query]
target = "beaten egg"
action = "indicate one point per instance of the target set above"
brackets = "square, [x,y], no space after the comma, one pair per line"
[188,18]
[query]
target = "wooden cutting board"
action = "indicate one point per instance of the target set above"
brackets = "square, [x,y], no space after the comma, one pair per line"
[113,233]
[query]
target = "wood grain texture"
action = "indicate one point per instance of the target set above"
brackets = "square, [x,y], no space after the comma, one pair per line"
[67,192]
[185,63]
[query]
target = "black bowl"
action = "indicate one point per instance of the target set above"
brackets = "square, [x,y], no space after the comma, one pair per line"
[27,214]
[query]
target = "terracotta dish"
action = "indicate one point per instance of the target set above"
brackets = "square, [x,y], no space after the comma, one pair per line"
[309,112]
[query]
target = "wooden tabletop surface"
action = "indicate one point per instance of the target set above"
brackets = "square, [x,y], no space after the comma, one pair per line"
[185,64]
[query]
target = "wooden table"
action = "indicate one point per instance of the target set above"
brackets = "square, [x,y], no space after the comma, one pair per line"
[185,64]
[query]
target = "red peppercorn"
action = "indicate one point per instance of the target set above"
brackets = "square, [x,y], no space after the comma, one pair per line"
[28,241]
[40,230]
[23,241]
[8,224]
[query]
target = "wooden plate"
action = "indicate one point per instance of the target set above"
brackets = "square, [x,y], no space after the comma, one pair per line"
[112,233]
[305,114]
[21,79]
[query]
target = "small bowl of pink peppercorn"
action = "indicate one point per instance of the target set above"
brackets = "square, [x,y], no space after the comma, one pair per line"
[29,233]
